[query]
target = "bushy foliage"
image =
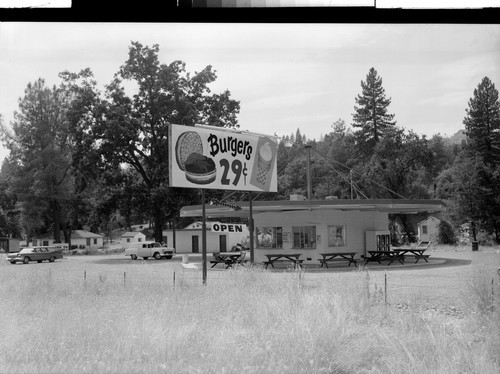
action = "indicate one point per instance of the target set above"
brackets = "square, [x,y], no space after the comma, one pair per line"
[446,234]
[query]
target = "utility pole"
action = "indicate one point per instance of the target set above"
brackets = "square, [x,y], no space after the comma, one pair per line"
[350,177]
[308,172]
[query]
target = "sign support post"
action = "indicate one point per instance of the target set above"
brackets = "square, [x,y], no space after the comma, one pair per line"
[204,237]
[250,227]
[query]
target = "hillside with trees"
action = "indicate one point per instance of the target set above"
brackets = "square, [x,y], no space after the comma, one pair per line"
[84,158]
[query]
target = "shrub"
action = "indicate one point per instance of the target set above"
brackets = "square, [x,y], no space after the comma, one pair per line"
[446,234]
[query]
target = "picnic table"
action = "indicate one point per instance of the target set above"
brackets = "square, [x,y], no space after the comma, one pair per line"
[228,258]
[417,252]
[338,256]
[291,257]
[379,256]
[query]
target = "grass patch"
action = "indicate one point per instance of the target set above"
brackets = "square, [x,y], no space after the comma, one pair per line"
[247,321]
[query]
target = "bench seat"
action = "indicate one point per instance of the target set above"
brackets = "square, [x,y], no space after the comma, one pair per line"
[322,261]
[267,263]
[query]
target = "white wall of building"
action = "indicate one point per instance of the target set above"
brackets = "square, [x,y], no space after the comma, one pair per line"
[128,239]
[184,240]
[355,223]
[81,243]
[428,229]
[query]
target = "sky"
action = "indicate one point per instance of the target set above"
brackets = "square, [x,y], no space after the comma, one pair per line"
[286,76]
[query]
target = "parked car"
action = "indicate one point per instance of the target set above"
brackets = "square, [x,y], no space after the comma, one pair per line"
[149,249]
[39,254]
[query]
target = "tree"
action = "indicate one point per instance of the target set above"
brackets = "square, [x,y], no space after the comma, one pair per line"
[482,121]
[9,211]
[371,117]
[393,169]
[39,157]
[467,185]
[134,130]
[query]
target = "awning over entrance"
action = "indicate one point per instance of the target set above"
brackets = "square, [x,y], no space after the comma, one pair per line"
[391,206]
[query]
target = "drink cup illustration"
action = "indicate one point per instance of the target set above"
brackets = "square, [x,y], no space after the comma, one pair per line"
[264,162]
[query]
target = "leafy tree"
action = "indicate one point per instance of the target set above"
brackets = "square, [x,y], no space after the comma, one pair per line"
[371,116]
[336,156]
[482,121]
[9,212]
[461,186]
[133,130]
[39,150]
[393,169]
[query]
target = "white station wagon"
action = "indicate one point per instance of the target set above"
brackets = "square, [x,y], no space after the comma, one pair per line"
[149,249]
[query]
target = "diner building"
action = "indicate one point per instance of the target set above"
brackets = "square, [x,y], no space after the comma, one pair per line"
[311,227]
[220,237]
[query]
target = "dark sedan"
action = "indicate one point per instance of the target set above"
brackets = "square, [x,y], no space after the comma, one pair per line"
[38,254]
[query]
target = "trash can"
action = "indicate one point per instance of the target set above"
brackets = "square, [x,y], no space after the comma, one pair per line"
[475,245]
[185,259]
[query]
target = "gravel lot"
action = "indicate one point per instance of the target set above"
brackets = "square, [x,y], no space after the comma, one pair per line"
[445,280]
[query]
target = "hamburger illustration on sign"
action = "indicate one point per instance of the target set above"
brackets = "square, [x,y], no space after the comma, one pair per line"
[226,159]
[199,169]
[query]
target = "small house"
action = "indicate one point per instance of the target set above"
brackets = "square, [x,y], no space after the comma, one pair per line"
[132,237]
[80,239]
[428,229]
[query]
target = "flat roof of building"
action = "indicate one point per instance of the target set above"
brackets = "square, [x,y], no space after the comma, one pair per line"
[392,206]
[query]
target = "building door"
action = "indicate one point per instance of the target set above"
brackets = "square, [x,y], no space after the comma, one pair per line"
[222,243]
[195,245]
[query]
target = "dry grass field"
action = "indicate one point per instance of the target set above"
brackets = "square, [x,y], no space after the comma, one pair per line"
[108,314]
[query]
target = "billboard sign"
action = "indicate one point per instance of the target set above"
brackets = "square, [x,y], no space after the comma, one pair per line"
[213,158]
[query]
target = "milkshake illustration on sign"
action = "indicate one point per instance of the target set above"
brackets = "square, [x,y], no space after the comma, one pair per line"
[264,162]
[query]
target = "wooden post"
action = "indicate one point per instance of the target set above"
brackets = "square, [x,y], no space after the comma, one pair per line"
[204,237]
[385,287]
[251,228]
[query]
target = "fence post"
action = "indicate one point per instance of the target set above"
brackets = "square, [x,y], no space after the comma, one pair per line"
[124,278]
[492,294]
[174,281]
[385,287]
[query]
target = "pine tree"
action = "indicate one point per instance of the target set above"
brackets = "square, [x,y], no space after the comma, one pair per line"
[483,121]
[371,117]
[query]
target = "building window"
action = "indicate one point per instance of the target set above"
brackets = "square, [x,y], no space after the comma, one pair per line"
[45,243]
[424,229]
[304,236]
[88,241]
[269,237]
[95,240]
[336,236]
[139,240]
[128,240]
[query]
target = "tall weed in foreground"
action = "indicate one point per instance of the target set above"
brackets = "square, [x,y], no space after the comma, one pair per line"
[248,321]
[482,296]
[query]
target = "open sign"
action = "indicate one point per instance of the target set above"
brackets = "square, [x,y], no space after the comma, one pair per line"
[227,227]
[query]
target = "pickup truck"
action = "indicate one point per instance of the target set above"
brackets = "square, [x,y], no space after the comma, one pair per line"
[149,249]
